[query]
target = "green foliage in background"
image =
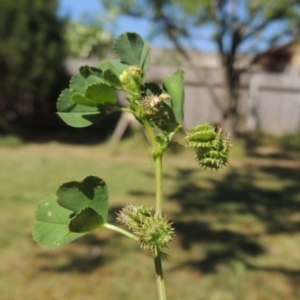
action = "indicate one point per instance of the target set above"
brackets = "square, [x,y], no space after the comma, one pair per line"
[87,40]
[31,49]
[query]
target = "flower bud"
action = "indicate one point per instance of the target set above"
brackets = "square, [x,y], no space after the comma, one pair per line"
[125,77]
[131,78]
[159,113]
[136,73]
[164,97]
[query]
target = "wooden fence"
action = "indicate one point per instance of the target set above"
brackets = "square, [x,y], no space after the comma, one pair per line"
[274,103]
[268,102]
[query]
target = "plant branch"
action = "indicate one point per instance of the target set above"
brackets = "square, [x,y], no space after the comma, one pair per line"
[120,230]
[150,132]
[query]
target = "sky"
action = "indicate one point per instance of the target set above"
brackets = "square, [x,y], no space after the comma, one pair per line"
[75,9]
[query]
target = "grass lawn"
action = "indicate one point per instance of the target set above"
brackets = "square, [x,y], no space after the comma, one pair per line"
[237,230]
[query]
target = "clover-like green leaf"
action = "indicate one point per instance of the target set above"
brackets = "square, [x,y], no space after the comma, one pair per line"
[78,208]
[112,70]
[112,78]
[133,50]
[51,225]
[77,115]
[79,83]
[96,95]
[86,220]
[83,100]
[102,93]
[151,88]
[115,65]
[173,85]
[87,71]
[91,192]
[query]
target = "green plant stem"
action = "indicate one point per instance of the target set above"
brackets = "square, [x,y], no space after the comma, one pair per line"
[160,278]
[157,153]
[158,212]
[120,230]
[151,134]
[159,193]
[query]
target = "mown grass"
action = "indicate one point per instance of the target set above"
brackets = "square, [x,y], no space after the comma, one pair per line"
[237,230]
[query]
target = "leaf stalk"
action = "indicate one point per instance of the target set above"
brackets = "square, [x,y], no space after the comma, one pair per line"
[120,230]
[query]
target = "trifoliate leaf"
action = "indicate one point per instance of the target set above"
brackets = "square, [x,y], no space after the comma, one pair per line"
[133,50]
[51,225]
[101,93]
[97,95]
[91,192]
[116,66]
[77,115]
[86,77]
[112,78]
[79,208]
[86,220]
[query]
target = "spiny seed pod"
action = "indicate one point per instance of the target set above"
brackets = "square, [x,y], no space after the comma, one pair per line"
[133,216]
[158,112]
[216,156]
[153,233]
[201,136]
[212,147]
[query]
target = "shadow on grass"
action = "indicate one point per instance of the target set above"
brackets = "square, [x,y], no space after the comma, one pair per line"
[236,198]
[222,246]
[227,215]
[70,258]
[240,194]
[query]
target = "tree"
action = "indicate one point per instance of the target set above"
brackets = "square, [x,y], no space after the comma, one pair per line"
[237,26]
[84,41]
[31,54]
